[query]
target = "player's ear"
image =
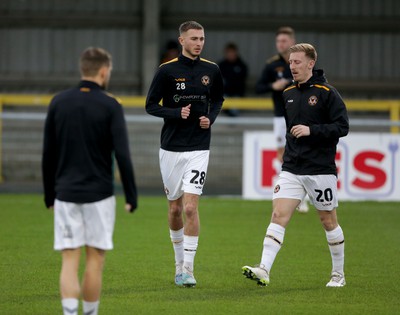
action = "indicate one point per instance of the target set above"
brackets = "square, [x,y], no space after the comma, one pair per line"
[181,40]
[103,72]
[311,64]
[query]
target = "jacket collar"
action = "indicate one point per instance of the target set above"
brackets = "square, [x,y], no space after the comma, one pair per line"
[89,84]
[282,59]
[188,61]
[317,77]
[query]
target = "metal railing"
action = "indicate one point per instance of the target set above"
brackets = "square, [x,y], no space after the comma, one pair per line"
[392,107]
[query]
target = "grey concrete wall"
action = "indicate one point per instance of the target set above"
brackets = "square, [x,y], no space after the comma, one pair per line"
[357,40]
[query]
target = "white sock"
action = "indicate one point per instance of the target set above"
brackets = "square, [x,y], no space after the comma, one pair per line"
[177,242]
[90,308]
[190,244]
[336,246]
[70,306]
[305,199]
[272,244]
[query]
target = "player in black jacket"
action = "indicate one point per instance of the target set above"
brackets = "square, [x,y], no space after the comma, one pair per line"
[234,73]
[84,129]
[191,91]
[276,77]
[316,117]
[317,106]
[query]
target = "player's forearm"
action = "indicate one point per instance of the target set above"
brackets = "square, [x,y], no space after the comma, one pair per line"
[215,109]
[157,110]
[330,131]
[48,171]
[126,171]
[48,185]
[130,191]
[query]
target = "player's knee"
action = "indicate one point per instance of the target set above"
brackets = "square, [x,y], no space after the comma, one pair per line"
[329,226]
[175,210]
[328,223]
[95,258]
[190,210]
[279,217]
[276,215]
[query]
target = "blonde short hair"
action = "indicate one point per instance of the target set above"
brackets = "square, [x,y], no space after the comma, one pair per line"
[308,49]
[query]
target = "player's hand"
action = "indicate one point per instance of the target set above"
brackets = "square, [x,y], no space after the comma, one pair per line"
[128,207]
[300,131]
[185,111]
[280,84]
[204,122]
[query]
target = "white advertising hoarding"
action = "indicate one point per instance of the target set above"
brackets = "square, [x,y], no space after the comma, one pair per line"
[368,166]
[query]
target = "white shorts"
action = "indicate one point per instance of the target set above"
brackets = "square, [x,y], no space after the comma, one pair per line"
[79,224]
[183,172]
[322,189]
[280,131]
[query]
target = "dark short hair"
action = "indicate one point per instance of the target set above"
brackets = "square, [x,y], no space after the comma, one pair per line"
[308,50]
[190,25]
[231,46]
[287,30]
[92,59]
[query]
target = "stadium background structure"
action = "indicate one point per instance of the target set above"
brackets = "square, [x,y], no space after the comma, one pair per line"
[21,131]
[356,40]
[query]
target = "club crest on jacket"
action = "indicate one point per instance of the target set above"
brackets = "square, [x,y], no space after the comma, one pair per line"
[205,80]
[313,100]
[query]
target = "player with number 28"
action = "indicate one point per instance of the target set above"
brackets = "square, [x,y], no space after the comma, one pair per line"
[191,91]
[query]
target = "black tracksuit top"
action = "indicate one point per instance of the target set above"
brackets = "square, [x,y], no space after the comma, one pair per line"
[234,75]
[318,105]
[275,69]
[178,83]
[84,128]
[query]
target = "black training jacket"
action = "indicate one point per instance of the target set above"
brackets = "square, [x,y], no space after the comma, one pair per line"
[178,83]
[318,105]
[276,68]
[84,128]
[234,74]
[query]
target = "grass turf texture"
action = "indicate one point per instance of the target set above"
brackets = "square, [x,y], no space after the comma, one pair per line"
[139,272]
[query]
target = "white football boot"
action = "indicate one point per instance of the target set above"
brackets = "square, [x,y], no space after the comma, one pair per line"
[187,278]
[337,280]
[178,274]
[257,273]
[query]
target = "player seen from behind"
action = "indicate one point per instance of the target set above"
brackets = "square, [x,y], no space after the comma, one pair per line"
[84,129]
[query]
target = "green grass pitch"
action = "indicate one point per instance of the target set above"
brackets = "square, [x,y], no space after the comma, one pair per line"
[139,272]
